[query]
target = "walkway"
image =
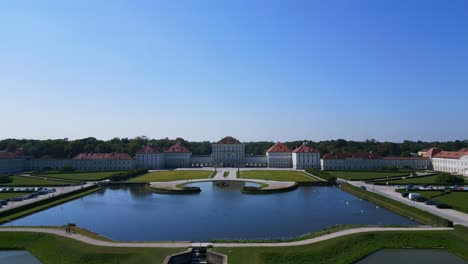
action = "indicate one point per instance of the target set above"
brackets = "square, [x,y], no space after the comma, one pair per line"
[457,217]
[219,176]
[58,191]
[182,244]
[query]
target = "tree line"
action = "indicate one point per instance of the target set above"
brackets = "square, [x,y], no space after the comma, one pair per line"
[64,148]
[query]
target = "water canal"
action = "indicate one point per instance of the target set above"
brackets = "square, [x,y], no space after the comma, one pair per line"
[132,213]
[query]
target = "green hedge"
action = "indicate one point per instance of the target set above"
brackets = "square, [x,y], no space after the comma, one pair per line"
[123,176]
[322,174]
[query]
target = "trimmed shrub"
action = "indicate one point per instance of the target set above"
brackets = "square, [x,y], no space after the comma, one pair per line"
[123,176]
[5,179]
[322,174]
[447,178]
[66,169]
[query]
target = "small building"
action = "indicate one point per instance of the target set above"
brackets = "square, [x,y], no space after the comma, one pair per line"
[305,157]
[228,152]
[150,157]
[177,156]
[279,156]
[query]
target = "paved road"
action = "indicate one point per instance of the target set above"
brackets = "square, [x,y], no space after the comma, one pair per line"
[389,191]
[58,191]
[185,244]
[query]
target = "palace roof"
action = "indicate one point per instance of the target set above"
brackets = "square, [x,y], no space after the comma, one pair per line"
[177,148]
[8,155]
[229,140]
[279,147]
[103,156]
[451,154]
[305,149]
[148,150]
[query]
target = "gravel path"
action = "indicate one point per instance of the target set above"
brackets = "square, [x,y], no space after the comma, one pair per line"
[185,244]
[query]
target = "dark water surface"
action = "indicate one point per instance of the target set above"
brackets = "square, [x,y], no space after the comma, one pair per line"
[18,257]
[132,213]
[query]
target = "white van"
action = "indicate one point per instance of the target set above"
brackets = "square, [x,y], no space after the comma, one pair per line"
[413,196]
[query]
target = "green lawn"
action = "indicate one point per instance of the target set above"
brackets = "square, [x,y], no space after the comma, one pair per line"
[365,175]
[81,176]
[276,175]
[173,175]
[31,181]
[458,200]
[351,248]
[5,196]
[50,249]
[418,180]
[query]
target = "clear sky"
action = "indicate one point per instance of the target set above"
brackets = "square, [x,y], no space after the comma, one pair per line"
[257,70]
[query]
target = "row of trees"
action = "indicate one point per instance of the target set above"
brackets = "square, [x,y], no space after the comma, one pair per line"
[64,148]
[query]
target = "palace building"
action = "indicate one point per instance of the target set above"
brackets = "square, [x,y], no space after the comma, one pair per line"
[230,152]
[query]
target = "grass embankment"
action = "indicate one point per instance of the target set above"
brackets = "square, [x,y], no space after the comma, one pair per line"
[81,176]
[173,175]
[366,175]
[10,195]
[276,175]
[457,200]
[351,248]
[51,249]
[44,204]
[401,208]
[420,180]
[37,181]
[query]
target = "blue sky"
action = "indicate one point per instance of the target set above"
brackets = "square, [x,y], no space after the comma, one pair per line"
[256,70]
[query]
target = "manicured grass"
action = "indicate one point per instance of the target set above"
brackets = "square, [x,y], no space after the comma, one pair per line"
[81,176]
[51,249]
[457,200]
[398,207]
[32,181]
[173,175]
[5,196]
[276,175]
[419,180]
[351,248]
[365,175]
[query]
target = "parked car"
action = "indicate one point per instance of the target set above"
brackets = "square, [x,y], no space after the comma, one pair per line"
[409,187]
[404,194]
[443,206]
[421,199]
[412,196]
[3,202]
[432,202]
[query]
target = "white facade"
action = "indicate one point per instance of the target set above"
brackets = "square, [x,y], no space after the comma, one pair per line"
[80,165]
[256,161]
[201,161]
[8,165]
[279,159]
[228,155]
[151,161]
[454,166]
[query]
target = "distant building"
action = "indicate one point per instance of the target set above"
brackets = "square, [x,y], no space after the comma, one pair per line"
[10,162]
[305,157]
[455,162]
[422,152]
[371,161]
[150,157]
[279,156]
[228,152]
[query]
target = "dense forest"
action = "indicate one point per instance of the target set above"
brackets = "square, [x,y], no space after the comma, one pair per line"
[64,148]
